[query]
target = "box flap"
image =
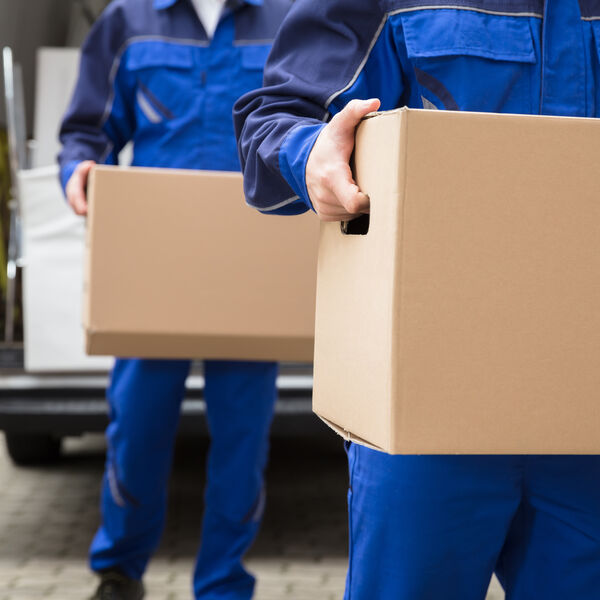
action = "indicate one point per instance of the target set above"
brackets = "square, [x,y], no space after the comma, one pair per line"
[349,436]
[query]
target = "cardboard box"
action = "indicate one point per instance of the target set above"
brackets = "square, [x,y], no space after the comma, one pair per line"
[467,319]
[179,267]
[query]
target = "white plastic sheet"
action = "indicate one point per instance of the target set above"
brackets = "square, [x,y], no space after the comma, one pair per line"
[57,70]
[56,76]
[53,253]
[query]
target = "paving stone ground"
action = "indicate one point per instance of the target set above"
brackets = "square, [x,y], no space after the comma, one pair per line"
[47,518]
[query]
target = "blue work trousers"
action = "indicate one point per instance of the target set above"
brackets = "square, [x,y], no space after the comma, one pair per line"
[145,399]
[437,527]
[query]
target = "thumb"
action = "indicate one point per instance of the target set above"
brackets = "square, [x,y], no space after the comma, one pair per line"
[349,117]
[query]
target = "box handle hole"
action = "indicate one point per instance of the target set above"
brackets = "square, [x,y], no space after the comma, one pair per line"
[358,226]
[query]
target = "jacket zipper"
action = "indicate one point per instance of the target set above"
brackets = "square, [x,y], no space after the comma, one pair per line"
[542,54]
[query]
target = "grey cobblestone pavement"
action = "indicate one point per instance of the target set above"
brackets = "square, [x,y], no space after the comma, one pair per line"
[47,518]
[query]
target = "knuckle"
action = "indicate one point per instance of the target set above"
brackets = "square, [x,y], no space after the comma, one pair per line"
[327,179]
[316,196]
[353,205]
[355,107]
[334,123]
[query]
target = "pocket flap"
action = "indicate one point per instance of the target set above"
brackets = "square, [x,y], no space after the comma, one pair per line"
[143,55]
[255,57]
[452,32]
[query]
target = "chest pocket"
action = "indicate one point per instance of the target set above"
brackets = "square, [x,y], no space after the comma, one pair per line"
[255,57]
[162,77]
[465,60]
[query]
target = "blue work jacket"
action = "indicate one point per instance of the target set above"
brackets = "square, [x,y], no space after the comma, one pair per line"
[150,74]
[512,56]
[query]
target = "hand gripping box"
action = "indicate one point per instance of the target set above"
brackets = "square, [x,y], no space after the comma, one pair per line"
[178,266]
[466,319]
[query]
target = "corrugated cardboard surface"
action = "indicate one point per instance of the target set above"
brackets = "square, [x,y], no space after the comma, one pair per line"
[493,301]
[179,266]
[355,295]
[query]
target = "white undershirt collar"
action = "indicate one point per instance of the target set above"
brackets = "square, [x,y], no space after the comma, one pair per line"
[209,13]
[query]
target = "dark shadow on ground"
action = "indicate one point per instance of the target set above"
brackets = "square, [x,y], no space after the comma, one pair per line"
[53,512]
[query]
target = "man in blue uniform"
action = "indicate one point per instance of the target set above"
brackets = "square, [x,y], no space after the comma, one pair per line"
[424,527]
[165,74]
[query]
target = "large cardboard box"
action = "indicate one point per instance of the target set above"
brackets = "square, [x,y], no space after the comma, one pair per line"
[179,266]
[467,318]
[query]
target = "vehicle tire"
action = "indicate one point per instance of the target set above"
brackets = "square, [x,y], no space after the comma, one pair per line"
[29,449]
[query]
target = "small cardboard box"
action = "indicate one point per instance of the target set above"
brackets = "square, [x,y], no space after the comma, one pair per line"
[467,318]
[179,267]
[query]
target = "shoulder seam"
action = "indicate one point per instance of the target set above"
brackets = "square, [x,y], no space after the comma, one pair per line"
[360,67]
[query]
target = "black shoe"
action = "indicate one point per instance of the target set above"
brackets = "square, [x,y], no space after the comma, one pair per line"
[116,586]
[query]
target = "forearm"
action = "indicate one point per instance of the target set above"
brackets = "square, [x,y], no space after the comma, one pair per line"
[274,147]
[318,63]
[97,122]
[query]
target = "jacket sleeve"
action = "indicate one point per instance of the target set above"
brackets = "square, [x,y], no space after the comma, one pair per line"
[325,54]
[99,121]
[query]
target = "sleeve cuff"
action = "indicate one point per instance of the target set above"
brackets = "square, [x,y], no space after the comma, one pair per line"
[293,157]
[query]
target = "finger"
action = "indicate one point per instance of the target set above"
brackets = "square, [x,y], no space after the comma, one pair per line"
[84,172]
[329,213]
[328,208]
[76,194]
[80,207]
[335,216]
[348,194]
[340,192]
[356,202]
[77,203]
[76,187]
